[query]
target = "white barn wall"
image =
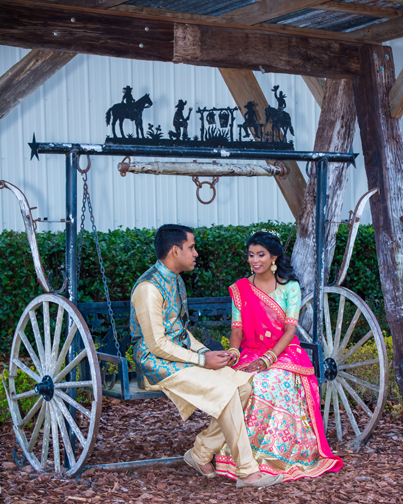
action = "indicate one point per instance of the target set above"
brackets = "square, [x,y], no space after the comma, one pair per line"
[71,107]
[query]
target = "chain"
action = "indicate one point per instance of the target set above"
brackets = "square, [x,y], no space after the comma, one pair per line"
[87,200]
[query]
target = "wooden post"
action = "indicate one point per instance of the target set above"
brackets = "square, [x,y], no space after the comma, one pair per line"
[335,134]
[244,87]
[27,75]
[383,154]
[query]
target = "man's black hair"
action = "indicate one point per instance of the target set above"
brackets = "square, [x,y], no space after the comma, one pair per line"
[169,235]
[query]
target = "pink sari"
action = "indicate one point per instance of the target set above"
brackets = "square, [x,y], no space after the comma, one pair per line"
[263,322]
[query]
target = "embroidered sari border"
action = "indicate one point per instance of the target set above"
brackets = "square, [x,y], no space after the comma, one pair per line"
[269,301]
[305,371]
[236,296]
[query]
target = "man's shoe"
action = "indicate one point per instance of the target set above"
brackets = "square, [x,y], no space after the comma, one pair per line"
[265,481]
[188,458]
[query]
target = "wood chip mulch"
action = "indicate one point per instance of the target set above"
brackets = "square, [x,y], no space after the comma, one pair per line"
[152,429]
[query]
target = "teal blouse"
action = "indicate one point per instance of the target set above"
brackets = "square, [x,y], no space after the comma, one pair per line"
[287,296]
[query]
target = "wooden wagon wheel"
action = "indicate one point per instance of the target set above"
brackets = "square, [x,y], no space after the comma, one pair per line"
[38,356]
[363,394]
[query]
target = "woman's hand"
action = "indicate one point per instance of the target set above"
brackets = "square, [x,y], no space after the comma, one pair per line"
[233,358]
[257,366]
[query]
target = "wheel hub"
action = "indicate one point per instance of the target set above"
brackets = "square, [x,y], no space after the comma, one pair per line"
[45,388]
[331,370]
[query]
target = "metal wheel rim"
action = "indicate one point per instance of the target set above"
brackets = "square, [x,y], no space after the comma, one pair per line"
[335,389]
[52,415]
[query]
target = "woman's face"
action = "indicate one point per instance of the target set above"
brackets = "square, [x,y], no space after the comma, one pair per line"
[260,259]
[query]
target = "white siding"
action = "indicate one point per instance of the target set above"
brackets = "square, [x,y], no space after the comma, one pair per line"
[71,107]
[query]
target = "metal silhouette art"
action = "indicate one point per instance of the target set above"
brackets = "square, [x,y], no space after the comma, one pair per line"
[217,125]
[129,108]
[180,122]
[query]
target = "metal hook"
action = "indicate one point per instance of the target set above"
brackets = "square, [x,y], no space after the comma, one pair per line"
[88,165]
[63,287]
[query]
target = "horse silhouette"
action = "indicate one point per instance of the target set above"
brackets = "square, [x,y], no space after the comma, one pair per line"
[281,121]
[134,112]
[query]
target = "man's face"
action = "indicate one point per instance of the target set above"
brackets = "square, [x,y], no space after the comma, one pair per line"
[186,257]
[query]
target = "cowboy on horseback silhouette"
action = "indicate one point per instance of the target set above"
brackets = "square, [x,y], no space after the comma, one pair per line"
[281,104]
[133,111]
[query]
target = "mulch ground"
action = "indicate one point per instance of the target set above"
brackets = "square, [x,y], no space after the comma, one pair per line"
[152,429]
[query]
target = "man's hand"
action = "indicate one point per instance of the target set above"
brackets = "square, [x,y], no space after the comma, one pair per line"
[216,360]
[256,366]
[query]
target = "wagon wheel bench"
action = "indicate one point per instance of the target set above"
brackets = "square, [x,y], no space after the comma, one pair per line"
[60,373]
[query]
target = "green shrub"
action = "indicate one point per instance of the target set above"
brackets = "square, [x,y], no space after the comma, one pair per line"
[128,253]
[23,383]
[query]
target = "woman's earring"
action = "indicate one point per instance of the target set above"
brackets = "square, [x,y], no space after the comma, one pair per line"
[251,270]
[273,267]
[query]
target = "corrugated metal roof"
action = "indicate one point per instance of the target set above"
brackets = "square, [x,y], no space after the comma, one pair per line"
[206,7]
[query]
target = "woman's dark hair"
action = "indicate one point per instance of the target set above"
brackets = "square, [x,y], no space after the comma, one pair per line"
[169,235]
[272,243]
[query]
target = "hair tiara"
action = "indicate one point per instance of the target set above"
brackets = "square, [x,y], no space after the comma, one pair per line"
[273,232]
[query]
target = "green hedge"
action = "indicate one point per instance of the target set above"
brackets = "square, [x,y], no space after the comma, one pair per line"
[128,253]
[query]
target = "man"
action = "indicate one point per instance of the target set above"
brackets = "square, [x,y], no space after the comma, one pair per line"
[168,358]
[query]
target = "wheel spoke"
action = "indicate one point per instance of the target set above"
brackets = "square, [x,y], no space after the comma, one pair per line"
[65,348]
[26,370]
[48,344]
[37,428]
[30,413]
[46,435]
[327,405]
[56,338]
[55,438]
[70,366]
[31,352]
[352,351]
[336,410]
[339,325]
[359,364]
[23,395]
[71,421]
[64,433]
[349,332]
[355,396]
[38,339]
[306,335]
[347,407]
[73,384]
[328,324]
[74,403]
[359,382]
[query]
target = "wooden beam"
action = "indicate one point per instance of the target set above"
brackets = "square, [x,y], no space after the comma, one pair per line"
[335,133]
[87,32]
[264,10]
[27,75]
[396,97]
[317,88]
[380,32]
[361,10]
[244,87]
[233,48]
[382,146]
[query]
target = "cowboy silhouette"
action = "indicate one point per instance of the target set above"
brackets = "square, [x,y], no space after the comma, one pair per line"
[281,104]
[127,96]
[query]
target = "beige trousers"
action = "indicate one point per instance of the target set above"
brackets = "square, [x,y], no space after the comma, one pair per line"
[228,427]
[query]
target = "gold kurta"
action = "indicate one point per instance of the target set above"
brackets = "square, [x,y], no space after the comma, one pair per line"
[193,387]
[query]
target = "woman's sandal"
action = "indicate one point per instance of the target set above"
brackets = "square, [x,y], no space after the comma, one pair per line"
[265,481]
[188,458]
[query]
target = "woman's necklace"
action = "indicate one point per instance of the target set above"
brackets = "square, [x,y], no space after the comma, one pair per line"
[253,281]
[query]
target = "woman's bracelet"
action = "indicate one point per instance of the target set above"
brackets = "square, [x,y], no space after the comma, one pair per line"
[237,353]
[272,354]
[266,361]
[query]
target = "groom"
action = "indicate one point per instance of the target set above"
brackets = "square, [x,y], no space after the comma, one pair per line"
[170,359]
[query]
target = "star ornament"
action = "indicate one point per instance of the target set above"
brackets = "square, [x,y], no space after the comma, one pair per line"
[34,148]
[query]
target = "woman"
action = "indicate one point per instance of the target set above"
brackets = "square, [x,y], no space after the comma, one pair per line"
[283,417]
